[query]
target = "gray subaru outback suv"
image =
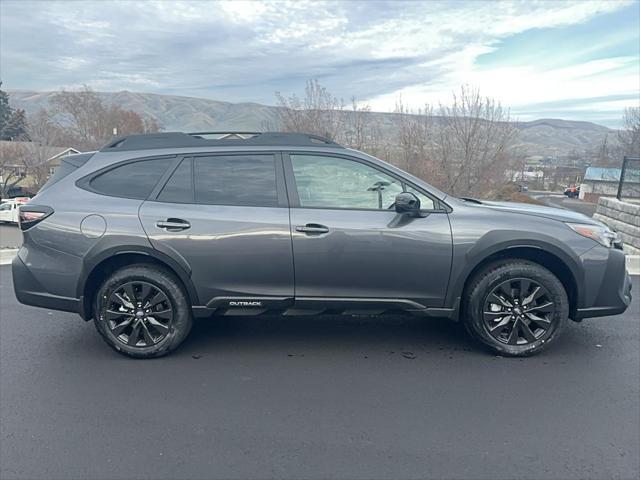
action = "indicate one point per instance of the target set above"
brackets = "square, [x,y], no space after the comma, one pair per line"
[154,230]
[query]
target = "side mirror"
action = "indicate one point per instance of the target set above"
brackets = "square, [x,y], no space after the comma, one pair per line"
[409,203]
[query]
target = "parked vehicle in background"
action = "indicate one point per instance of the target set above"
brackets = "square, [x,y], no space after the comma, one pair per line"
[9,209]
[572,191]
[154,230]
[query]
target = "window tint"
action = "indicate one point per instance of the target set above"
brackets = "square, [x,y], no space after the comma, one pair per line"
[179,188]
[248,180]
[5,206]
[331,182]
[67,165]
[132,180]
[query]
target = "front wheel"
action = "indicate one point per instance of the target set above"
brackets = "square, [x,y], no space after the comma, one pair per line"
[142,311]
[516,307]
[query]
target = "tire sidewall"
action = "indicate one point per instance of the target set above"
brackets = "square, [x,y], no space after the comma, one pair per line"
[513,270]
[180,326]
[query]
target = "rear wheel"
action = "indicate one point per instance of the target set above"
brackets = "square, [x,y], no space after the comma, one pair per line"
[142,311]
[516,307]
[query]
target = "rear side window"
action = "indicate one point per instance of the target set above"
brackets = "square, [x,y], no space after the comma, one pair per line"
[244,180]
[132,180]
[67,165]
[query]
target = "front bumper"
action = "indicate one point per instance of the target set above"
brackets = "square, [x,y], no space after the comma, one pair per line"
[612,294]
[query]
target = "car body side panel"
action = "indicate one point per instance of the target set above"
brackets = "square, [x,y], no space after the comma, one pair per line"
[372,254]
[230,250]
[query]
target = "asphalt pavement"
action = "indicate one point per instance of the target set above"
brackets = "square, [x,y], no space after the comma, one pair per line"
[316,397]
[10,236]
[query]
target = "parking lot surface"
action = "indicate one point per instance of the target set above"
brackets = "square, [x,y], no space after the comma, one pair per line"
[316,397]
[10,236]
[558,200]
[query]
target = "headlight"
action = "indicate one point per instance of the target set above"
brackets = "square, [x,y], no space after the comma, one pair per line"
[603,235]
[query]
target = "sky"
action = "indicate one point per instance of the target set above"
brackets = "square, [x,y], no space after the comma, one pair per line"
[541,59]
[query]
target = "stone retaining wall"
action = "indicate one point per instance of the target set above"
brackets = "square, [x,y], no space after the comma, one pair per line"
[624,217]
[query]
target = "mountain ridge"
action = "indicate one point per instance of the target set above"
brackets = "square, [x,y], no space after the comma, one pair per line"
[545,136]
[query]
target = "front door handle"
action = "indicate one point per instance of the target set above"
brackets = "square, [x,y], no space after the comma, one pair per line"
[173,224]
[312,228]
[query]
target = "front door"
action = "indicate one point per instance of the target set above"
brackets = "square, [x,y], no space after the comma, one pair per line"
[350,244]
[226,216]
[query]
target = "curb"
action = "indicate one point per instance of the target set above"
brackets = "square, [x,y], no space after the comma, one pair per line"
[633,261]
[6,255]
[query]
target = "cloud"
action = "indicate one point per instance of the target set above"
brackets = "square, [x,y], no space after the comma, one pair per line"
[245,50]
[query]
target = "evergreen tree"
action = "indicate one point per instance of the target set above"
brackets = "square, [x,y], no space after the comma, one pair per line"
[5,111]
[16,127]
[13,123]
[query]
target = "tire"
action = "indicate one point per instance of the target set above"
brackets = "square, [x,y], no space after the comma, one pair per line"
[524,323]
[165,320]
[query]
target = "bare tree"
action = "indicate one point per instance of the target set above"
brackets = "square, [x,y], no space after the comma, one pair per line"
[12,165]
[377,143]
[90,123]
[43,130]
[415,137]
[82,113]
[629,136]
[319,112]
[356,133]
[475,142]
[464,148]
[24,163]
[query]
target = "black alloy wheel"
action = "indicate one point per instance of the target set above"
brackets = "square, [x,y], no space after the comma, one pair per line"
[518,311]
[139,314]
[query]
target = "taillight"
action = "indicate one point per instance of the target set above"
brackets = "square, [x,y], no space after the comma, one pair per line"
[30,215]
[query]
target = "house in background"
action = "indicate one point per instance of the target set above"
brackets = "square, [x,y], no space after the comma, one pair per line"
[603,182]
[25,166]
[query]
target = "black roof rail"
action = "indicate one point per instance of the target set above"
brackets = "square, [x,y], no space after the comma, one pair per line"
[220,139]
[224,135]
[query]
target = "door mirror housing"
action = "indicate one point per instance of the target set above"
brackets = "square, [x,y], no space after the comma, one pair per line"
[408,203]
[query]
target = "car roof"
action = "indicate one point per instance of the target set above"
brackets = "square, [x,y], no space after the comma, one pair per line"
[217,139]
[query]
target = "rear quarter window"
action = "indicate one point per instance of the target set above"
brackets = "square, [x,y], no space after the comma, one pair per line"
[67,165]
[133,180]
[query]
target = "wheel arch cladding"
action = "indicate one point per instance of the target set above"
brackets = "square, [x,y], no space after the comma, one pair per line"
[110,261]
[553,262]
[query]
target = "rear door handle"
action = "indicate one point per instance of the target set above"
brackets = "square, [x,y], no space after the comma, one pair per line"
[173,224]
[312,228]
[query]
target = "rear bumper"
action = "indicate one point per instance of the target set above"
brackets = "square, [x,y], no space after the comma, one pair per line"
[614,294]
[31,292]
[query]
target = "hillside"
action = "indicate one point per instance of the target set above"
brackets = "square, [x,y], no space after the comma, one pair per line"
[541,137]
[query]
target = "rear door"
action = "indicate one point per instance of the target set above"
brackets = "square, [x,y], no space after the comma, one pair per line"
[350,245]
[227,216]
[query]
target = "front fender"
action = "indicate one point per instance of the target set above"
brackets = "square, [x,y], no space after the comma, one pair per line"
[468,256]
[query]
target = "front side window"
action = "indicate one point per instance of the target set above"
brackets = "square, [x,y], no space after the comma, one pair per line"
[132,180]
[426,203]
[331,182]
[241,180]
[5,206]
